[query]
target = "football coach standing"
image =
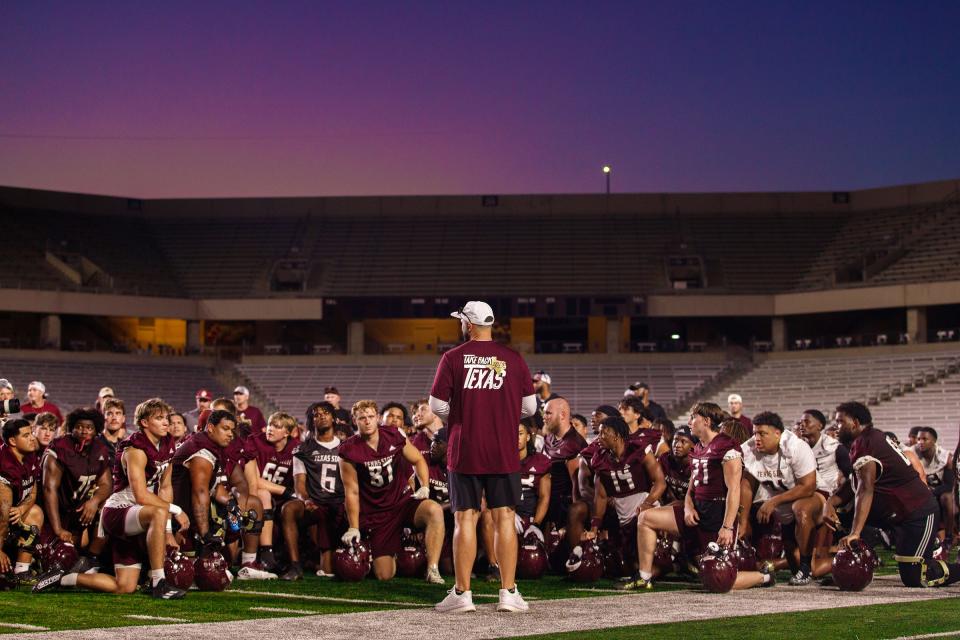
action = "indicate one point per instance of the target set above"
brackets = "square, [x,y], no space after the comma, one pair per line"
[482,390]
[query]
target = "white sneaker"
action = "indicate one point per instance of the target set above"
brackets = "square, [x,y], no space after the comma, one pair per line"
[454,603]
[513,602]
[323,574]
[433,576]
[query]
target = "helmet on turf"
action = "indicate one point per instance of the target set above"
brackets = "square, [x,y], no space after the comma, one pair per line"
[352,563]
[770,543]
[178,569]
[613,565]
[210,572]
[557,549]
[664,554]
[531,558]
[411,561]
[718,568]
[585,563]
[746,555]
[58,554]
[853,567]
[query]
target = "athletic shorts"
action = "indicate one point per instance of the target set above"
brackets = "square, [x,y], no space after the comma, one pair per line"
[127,542]
[467,490]
[385,528]
[331,521]
[914,538]
[711,514]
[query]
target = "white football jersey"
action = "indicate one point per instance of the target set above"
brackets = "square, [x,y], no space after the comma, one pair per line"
[933,468]
[828,473]
[778,472]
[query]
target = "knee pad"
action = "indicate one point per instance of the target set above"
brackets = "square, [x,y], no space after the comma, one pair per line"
[913,570]
[27,537]
[267,515]
[251,523]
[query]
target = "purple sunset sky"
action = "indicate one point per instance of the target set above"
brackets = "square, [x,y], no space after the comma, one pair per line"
[178,99]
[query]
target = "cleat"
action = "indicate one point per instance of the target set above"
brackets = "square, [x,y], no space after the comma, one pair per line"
[456,603]
[494,575]
[85,564]
[164,591]
[768,570]
[800,578]
[255,571]
[294,572]
[48,580]
[433,576]
[635,583]
[268,561]
[512,602]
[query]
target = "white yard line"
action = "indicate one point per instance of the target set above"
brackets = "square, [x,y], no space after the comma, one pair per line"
[297,596]
[942,634]
[623,593]
[23,627]
[157,618]
[282,610]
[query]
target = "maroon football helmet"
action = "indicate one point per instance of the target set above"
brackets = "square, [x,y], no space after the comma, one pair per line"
[531,558]
[746,555]
[718,568]
[8,581]
[58,554]
[613,565]
[352,563]
[411,562]
[664,554]
[210,572]
[853,567]
[770,543]
[178,569]
[585,563]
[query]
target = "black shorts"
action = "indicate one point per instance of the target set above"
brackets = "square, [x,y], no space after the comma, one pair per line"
[467,489]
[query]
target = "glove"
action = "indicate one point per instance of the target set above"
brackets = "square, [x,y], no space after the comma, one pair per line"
[520,523]
[288,493]
[422,493]
[535,530]
[352,535]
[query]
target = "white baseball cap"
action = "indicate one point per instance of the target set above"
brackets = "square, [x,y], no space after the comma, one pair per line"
[475,312]
[734,397]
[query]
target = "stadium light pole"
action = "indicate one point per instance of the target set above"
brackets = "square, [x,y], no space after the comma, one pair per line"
[606,172]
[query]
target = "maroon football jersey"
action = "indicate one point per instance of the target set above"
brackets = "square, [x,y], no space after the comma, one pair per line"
[234,454]
[485,383]
[21,477]
[422,442]
[272,465]
[255,416]
[898,491]
[560,450]
[158,457]
[439,491]
[79,469]
[677,476]
[379,473]
[624,476]
[707,463]
[532,470]
[196,445]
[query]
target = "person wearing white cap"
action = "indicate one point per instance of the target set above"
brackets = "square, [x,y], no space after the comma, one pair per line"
[541,385]
[735,405]
[482,390]
[37,402]
[7,393]
[241,395]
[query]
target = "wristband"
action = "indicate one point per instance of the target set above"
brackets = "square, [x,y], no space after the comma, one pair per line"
[175,510]
[722,527]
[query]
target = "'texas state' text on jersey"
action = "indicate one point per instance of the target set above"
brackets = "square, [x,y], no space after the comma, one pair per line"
[485,383]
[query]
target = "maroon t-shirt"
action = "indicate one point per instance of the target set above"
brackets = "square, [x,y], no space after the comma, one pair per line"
[747,423]
[80,468]
[21,477]
[158,457]
[532,470]
[379,473]
[623,476]
[196,445]
[272,465]
[560,450]
[48,407]
[257,423]
[707,462]
[898,492]
[485,383]
[677,476]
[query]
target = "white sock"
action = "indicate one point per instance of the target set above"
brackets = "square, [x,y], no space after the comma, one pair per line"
[69,580]
[21,567]
[248,557]
[646,575]
[766,578]
[156,575]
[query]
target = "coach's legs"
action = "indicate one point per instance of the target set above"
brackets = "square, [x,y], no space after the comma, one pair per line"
[487,535]
[505,542]
[465,546]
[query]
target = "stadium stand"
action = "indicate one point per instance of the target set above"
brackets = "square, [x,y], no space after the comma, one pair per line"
[905,387]
[292,387]
[74,382]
